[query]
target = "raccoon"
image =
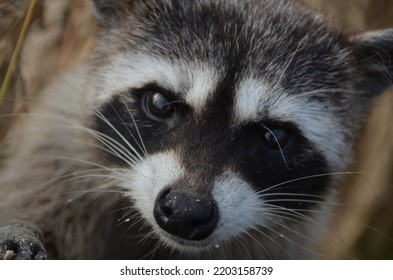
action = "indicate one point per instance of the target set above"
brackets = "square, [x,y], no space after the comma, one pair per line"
[205,129]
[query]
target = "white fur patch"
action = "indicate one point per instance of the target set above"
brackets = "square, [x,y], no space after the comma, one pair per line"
[252,96]
[203,82]
[134,71]
[239,206]
[194,82]
[255,100]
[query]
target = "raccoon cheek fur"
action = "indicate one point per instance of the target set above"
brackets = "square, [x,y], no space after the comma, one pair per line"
[204,129]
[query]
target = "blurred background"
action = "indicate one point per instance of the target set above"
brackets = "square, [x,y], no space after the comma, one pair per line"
[58,34]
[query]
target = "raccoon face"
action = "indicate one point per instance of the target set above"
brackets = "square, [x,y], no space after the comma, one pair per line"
[230,119]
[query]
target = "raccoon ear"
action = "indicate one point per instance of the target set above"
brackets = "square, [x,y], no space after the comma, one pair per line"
[107,11]
[374,54]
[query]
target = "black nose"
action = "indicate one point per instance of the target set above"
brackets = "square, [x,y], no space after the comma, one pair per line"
[186,215]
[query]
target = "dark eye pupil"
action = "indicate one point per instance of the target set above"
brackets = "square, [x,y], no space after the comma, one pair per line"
[276,139]
[158,105]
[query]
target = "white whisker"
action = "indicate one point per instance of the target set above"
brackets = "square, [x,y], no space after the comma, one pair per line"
[308,177]
[106,121]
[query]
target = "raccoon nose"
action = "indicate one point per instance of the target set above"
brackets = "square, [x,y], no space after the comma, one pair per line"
[186,215]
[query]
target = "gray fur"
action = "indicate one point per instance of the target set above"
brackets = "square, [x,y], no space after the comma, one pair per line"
[58,178]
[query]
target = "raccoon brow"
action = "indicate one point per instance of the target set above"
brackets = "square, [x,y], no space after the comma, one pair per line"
[155,87]
[274,123]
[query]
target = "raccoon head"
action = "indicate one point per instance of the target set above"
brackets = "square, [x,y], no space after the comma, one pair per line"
[231,120]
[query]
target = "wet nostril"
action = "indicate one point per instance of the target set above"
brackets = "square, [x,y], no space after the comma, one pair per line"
[165,203]
[166,192]
[167,211]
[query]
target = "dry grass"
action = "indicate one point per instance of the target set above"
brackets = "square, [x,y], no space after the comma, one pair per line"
[60,35]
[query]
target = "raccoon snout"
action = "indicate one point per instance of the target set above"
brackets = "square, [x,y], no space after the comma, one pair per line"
[187,215]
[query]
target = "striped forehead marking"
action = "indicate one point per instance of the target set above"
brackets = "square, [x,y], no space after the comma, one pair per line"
[203,82]
[252,96]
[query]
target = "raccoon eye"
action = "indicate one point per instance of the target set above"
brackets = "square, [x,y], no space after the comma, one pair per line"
[158,105]
[276,139]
